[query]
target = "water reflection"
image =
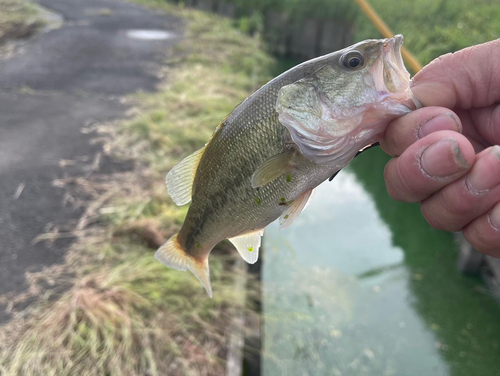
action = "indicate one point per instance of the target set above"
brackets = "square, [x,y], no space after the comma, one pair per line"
[360,285]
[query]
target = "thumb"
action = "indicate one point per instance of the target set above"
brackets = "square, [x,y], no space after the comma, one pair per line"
[464,79]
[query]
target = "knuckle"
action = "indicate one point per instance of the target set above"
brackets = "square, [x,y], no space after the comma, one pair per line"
[438,219]
[476,235]
[493,123]
[390,180]
[457,202]
[479,244]
[392,142]
[397,185]
[387,146]
[452,208]
[409,183]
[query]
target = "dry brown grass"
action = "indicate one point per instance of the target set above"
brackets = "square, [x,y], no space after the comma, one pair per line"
[132,319]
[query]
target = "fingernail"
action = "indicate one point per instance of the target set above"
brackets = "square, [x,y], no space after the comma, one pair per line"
[494,217]
[439,123]
[485,174]
[443,158]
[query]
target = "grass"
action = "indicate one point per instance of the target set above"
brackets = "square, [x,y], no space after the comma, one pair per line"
[111,308]
[18,19]
[435,27]
[299,10]
[130,318]
[431,27]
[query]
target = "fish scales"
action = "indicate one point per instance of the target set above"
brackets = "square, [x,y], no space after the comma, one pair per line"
[246,139]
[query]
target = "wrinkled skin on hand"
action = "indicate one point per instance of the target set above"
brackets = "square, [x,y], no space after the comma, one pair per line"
[446,154]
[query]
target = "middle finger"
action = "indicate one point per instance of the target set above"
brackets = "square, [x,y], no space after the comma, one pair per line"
[459,203]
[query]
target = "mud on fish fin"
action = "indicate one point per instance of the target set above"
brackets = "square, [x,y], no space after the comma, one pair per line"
[172,255]
[248,245]
[272,169]
[295,208]
[180,178]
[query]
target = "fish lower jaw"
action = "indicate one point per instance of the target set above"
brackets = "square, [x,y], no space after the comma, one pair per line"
[389,79]
[391,105]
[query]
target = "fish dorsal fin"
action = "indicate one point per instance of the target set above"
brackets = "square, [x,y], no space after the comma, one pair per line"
[248,245]
[295,208]
[180,179]
[172,255]
[272,169]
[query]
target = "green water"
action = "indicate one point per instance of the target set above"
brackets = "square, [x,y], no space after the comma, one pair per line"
[361,285]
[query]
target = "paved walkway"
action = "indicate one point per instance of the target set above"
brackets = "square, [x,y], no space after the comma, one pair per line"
[53,85]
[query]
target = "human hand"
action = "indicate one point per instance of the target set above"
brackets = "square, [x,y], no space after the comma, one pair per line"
[445,153]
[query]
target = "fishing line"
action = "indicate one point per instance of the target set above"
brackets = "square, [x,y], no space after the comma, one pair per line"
[358,153]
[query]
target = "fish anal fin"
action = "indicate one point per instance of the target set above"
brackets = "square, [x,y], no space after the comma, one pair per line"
[172,255]
[248,245]
[295,208]
[272,169]
[180,178]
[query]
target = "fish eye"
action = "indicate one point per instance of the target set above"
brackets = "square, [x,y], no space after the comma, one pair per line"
[352,60]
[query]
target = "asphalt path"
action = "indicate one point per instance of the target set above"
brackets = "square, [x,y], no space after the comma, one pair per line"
[53,85]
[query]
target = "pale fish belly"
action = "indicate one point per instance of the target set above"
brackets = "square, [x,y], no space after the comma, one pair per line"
[245,209]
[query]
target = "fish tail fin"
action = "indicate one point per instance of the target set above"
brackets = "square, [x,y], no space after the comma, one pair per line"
[174,256]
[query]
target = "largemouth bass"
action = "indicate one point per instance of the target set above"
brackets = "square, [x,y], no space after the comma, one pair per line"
[265,159]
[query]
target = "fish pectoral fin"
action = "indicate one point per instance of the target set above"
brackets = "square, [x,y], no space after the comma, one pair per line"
[248,245]
[295,208]
[180,178]
[172,255]
[272,169]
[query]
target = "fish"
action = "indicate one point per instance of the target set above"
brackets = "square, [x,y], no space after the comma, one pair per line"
[266,157]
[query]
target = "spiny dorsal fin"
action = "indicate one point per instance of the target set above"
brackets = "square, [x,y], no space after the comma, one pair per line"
[172,255]
[180,179]
[295,208]
[248,245]
[272,169]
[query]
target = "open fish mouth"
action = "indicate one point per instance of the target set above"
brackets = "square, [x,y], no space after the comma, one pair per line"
[395,73]
[389,76]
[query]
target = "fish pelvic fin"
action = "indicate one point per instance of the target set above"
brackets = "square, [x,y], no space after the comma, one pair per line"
[295,208]
[180,179]
[172,255]
[272,169]
[248,245]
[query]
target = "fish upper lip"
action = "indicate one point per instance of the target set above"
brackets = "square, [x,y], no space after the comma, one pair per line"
[392,51]
[395,42]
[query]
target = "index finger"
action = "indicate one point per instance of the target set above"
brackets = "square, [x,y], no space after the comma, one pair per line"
[464,79]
